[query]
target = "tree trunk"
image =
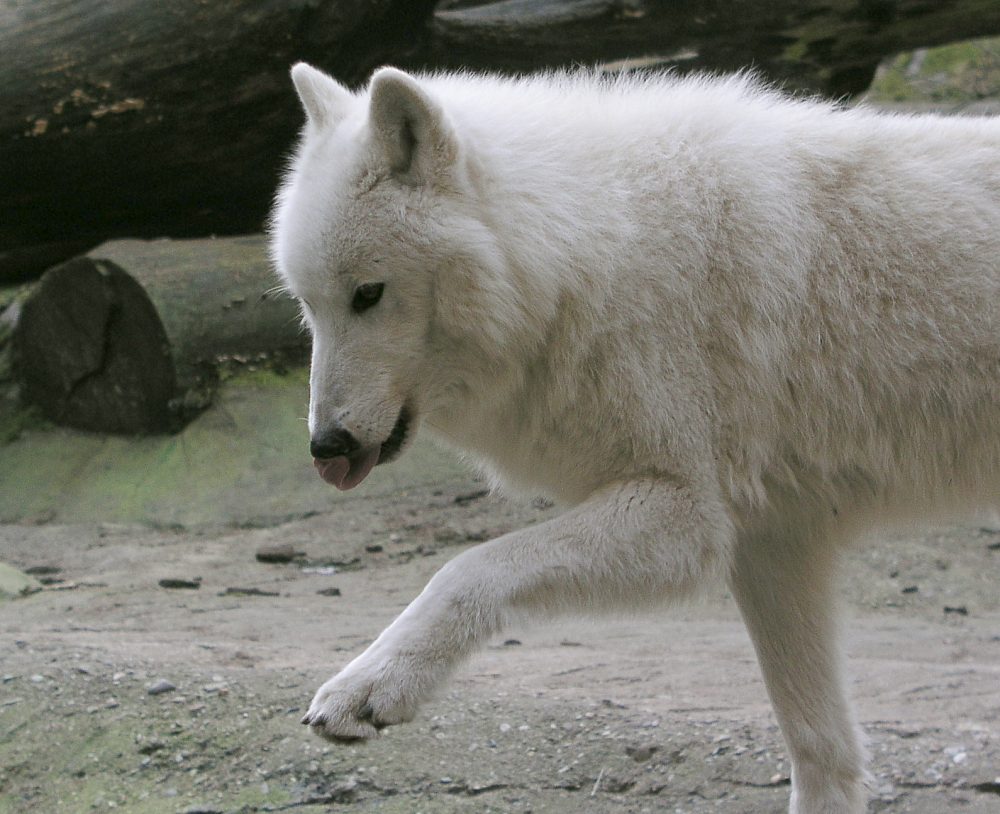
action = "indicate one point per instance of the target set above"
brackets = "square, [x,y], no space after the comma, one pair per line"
[828,46]
[128,117]
[129,338]
[136,118]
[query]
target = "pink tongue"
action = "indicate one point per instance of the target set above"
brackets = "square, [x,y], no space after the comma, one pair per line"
[344,473]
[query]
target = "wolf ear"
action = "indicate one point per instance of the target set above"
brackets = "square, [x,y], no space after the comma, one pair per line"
[326,101]
[410,128]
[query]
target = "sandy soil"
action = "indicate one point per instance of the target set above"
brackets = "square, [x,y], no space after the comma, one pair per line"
[661,713]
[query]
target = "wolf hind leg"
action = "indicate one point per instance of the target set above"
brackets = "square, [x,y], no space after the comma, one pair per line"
[784,586]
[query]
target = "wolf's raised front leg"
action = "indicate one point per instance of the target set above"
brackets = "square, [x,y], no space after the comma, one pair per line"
[784,587]
[630,544]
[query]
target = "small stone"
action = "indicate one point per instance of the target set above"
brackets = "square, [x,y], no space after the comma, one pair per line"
[160,686]
[329,591]
[641,754]
[960,610]
[247,592]
[469,497]
[280,553]
[448,535]
[910,589]
[373,549]
[149,747]
[37,679]
[176,583]
[511,643]
[505,727]
[111,703]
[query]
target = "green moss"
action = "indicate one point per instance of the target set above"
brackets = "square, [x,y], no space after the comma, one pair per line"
[87,764]
[243,461]
[958,72]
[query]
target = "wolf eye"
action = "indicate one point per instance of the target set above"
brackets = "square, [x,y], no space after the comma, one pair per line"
[365,296]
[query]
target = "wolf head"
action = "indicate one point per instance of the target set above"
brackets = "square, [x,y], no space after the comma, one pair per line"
[378,231]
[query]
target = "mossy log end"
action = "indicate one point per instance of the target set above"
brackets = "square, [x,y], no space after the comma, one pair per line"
[129,338]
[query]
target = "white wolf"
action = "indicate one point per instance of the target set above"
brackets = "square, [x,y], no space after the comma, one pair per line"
[730,330]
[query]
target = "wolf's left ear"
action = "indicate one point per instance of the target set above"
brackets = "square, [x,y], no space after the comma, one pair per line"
[409,127]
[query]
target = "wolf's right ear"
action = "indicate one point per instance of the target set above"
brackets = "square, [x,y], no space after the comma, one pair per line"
[325,100]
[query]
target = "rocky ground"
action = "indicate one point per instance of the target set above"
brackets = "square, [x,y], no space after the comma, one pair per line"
[120,694]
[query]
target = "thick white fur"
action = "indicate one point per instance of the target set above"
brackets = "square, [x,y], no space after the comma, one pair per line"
[730,330]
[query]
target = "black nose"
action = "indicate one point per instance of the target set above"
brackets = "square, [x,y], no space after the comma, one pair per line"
[333,443]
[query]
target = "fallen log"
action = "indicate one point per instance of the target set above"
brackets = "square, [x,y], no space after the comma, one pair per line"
[125,117]
[130,338]
[131,118]
[815,45]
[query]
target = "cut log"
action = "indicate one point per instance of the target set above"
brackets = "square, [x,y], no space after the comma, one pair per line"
[129,338]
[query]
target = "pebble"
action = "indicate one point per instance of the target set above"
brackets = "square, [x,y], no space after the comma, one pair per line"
[247,592]
[37,679]
[505,727]
[329,591]
[160,686]
[172,582]
[640,754]
[280,553]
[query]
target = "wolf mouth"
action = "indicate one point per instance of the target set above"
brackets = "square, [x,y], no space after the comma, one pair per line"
[345,471]
[392,445]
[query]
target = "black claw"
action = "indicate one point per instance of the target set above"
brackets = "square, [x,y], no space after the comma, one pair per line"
[366,712]
[306,719]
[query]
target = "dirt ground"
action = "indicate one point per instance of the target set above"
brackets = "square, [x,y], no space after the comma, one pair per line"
[660,713]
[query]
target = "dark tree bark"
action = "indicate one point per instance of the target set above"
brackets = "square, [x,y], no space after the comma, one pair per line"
[136,118]
[128,339]
[26,263]
[830,46]
[133,118]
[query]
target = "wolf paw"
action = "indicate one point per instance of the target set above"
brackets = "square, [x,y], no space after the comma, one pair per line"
[361,700]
